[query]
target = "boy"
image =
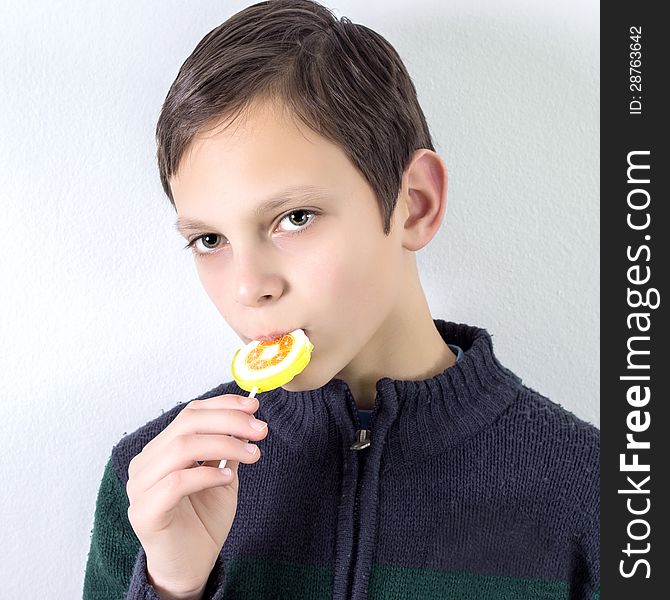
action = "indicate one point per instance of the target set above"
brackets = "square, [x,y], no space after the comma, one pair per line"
[405,459]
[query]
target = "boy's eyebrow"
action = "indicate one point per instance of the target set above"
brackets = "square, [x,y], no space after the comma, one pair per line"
[275,202]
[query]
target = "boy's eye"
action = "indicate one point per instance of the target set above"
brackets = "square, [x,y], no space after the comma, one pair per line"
[302,213]
[210,240]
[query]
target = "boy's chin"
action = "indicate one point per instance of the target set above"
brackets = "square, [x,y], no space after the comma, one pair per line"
[304,382]
[293,386]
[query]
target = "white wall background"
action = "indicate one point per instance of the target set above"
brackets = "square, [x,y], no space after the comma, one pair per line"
[104,323]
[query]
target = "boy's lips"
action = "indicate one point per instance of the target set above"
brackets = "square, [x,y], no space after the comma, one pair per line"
[273,335]
[268,337]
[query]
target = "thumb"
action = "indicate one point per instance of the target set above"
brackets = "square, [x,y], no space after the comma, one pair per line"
[232,465]
[221,464]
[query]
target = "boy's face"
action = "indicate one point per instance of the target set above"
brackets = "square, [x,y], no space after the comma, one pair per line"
[320,263]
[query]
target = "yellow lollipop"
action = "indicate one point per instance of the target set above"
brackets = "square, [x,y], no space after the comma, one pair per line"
[263,366]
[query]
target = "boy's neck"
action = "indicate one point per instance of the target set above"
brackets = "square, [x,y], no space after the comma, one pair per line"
[437,356]
[407,346]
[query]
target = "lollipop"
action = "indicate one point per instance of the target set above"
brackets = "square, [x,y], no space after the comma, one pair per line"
[262,366]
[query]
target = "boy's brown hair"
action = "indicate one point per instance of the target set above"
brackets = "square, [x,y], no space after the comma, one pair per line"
[343,80]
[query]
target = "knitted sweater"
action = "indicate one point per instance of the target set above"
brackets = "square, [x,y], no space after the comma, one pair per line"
[473,486]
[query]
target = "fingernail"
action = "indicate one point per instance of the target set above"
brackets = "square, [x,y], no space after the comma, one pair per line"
[251,448]
[257,425]
[247,400]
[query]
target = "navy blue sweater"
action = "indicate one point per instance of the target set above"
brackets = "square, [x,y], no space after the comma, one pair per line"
[472,486]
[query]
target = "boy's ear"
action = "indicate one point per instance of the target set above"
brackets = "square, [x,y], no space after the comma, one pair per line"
[424,193]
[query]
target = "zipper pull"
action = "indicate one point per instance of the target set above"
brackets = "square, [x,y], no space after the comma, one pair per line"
[362,440]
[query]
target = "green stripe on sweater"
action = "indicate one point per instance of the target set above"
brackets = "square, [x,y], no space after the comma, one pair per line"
[388,581]
[114,548]
[254,579]
[114,545]
[249,579]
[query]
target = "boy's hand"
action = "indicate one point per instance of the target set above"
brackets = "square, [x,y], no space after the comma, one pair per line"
[181,512]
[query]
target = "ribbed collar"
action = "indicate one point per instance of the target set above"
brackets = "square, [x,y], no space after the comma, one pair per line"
[411,418]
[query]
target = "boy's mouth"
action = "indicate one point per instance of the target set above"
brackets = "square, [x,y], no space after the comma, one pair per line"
[269,337]
[273,335]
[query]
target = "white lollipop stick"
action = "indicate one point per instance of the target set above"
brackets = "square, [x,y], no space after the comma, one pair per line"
[252,394]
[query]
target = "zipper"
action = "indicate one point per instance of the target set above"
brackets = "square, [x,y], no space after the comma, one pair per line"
[354,561]
[362,441]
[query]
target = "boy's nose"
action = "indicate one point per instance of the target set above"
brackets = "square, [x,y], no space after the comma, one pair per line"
[256,282]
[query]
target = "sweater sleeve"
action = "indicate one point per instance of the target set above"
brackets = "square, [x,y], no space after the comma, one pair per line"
[116,566]
[585,584]
[141,589]
[114,544]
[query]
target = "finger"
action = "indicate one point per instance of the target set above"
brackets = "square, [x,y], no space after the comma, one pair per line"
[184,452]
[230,464]
[223,461]
[197,420]
[221,464]
[155,506]
[226,401]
